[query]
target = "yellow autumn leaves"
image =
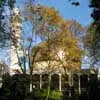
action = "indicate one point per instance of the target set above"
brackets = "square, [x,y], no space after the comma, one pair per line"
[57,36]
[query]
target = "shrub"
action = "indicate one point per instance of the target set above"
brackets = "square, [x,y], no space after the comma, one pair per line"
[55,95]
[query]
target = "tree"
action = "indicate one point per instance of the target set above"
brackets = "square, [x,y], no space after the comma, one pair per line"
[92,38]
[55,35]
[22,45]
[3,68]
[6,7]
[16,25]
[55,31]
[59,47]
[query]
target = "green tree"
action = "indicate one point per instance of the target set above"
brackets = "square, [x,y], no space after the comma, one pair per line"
[93,36]
[5,7]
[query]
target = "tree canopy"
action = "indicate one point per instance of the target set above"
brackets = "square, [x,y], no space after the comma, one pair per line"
[6,7]
[57,36]
[93,36]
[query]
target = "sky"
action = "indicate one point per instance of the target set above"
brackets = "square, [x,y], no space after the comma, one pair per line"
[80,13]
[67,11]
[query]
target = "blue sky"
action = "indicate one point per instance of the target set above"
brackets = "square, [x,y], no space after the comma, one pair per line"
[66,10]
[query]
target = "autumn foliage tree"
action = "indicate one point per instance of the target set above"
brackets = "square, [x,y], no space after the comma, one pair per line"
[56,33]
[59,44]
[58,47]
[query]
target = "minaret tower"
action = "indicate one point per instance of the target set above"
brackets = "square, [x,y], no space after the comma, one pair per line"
[15,50]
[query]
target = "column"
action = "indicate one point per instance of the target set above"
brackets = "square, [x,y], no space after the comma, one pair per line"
[79,84]
[40,81]
[49,82]
[59,82]
[70,78]
[30,87]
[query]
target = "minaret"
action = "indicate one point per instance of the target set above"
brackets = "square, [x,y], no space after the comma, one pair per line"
[15,50]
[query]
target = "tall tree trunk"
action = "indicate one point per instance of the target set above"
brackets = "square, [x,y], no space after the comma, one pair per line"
[48,89]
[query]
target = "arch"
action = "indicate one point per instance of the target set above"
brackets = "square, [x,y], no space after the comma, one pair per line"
[75,81]
[54,82]
[45,80]
[64,81]
[84,81]
[36,81]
